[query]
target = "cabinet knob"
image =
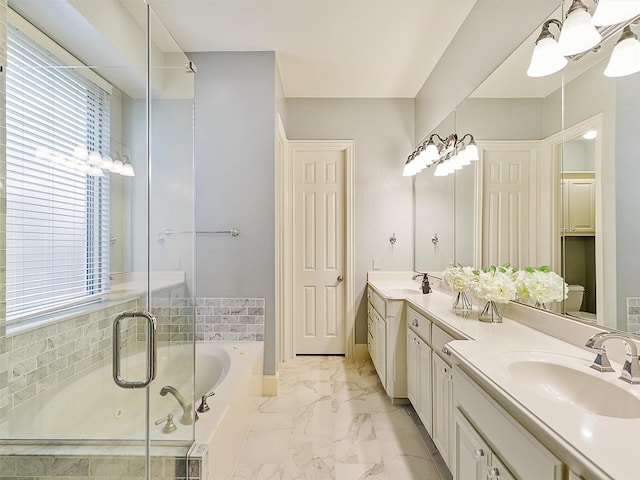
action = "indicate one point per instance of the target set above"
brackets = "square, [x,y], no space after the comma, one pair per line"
[446,351]
[494,473]
[415,323]
[449,377]
[478,453]
[444,370]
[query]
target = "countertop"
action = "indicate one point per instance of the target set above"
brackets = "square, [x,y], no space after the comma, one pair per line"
[593,446]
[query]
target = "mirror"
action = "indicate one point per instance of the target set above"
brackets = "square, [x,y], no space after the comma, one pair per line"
[573,209]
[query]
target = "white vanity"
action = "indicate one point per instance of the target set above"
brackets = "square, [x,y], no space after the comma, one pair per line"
[504,401]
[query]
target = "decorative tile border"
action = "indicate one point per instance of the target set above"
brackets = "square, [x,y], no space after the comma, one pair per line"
[230,319]
[633,315]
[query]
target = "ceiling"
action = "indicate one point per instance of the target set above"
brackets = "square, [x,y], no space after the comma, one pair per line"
[326,48]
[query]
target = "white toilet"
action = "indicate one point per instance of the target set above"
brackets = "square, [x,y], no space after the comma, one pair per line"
[573,303]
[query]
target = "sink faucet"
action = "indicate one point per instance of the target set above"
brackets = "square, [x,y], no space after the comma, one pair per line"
[631,368]
[417,276]
[189,415]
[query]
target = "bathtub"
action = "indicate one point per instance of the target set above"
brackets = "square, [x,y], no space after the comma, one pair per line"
[94,408]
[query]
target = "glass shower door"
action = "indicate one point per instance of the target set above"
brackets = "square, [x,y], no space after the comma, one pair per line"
[99,163]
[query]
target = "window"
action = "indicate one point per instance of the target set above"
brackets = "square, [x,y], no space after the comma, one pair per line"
[57,213]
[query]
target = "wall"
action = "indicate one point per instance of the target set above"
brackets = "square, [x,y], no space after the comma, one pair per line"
[235,180]
[627,198]
[383,198]
[485,39]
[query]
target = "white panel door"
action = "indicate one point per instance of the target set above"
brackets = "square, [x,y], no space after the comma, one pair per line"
[319,245]
[506,207]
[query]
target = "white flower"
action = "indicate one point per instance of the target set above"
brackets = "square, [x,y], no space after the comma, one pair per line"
[495,284]
[459,278]
[541,285]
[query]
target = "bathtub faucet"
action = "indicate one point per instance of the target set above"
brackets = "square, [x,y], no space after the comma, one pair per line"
[189,415]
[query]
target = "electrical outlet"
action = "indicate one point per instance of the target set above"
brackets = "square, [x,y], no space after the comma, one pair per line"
[376,264]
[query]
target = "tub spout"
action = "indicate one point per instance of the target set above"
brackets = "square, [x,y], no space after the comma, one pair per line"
[189,415]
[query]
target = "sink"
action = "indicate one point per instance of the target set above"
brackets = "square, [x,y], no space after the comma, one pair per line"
[401,292]
[583,389]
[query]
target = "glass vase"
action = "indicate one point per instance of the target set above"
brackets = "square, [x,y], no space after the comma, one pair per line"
[461,302]
[490,313]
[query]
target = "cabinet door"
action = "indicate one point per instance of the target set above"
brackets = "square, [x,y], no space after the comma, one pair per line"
[442,407]
[497,470]
[580,206]
[424,385]
[412,369]
[471,452]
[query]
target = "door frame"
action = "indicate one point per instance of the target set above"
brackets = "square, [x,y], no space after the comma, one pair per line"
[285,196]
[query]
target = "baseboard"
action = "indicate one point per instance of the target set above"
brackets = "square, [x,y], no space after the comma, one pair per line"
[360,351]
[270,385]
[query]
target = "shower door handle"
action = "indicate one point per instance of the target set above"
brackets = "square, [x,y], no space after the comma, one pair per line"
[151,350]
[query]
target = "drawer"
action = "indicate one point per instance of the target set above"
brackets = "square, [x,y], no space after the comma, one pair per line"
[377,301]
[419,324]
[439,338]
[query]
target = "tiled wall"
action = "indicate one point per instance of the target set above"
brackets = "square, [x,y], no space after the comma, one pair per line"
[40,359]
[229,319]
[102,467]
[633,315]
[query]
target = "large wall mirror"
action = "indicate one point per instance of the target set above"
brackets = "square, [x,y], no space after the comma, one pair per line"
[556,183]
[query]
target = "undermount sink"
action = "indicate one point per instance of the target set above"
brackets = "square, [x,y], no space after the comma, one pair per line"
[569,385]
[400,292]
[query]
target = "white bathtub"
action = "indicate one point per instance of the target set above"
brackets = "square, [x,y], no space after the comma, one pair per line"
[94,408]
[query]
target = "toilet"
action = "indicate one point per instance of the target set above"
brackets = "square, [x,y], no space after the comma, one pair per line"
[573,303]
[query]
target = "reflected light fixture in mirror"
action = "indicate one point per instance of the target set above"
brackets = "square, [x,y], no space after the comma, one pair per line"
[578,34]
[449,154]
[625,57]
[610,12]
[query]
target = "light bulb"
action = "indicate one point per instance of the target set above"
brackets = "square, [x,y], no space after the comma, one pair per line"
[117,166]
[420,161]
[431,153]
[625,57]
[107,163]
[80,153]
[610,12]
[441,170]
[578,34]
[95,158]
[95,171]
[127,170]
[546,58]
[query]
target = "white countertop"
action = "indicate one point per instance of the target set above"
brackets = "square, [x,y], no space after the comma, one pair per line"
[594,446]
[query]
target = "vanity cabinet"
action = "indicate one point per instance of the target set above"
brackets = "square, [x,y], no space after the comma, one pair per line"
[490,444]
[419,368]
[474,458]
[579,205]
[442,407]
[388,342]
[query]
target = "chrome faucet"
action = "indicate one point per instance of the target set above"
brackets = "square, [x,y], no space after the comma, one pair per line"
[417,276]
[189,415]
[631,368]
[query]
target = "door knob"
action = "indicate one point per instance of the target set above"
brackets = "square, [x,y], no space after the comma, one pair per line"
[340,278]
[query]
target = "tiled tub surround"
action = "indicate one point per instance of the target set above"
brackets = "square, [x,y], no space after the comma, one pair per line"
[38,360]
[230,319]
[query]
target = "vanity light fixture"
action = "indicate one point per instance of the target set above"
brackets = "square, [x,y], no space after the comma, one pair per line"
[83,161]
[625,57]
[578,34]
[448,154]
[610,12]
[546,58]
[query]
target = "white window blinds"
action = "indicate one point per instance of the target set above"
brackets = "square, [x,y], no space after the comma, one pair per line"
[57,214]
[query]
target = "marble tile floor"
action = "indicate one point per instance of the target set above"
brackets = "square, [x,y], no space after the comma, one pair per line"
[333,420]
